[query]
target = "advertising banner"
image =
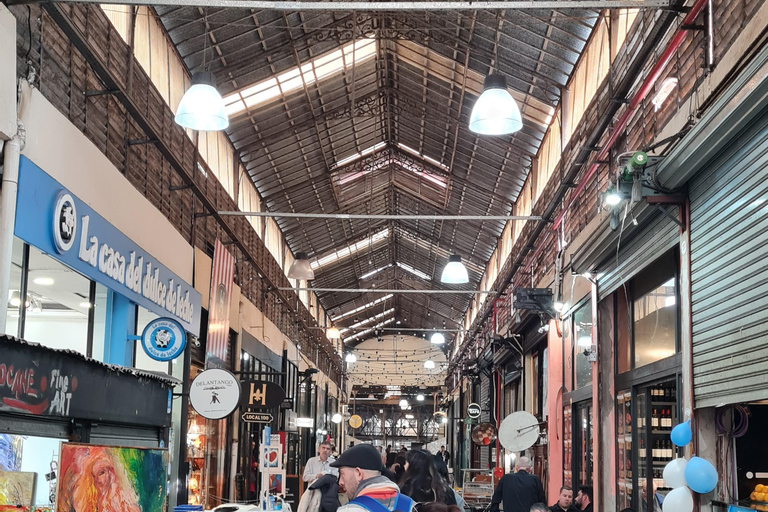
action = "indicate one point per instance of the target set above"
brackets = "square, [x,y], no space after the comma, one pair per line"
[222,274]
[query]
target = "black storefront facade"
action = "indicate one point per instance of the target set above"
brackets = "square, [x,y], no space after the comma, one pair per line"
[50,396]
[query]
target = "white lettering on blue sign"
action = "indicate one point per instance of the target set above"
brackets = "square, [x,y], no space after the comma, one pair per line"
[102,252]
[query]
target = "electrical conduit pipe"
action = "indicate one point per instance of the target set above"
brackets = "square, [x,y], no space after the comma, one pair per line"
[639,96]
[12,152]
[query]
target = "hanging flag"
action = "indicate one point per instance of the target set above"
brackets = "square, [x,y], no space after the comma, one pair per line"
[222,275]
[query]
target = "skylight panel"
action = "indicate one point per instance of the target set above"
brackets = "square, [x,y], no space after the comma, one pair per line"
[358,156]
[374,272]
[422,156]
[370,330]
[415,272]
[368,320]
[294,79]
[363,307]
[350,249]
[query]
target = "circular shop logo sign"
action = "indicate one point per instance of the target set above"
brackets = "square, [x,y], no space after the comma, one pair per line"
[355,421]
[64,222]
[163,339]
[473,411]
[214,394]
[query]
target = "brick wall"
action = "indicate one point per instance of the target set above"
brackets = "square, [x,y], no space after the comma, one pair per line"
[688,65]
[63,75]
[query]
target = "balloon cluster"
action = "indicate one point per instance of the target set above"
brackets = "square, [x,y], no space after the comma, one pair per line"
[684,476]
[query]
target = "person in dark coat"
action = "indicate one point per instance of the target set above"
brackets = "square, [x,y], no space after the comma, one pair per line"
[583,499]
[564,501]
[329,490]
[519,490]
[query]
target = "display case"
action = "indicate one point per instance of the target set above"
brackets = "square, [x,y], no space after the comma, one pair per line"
[645,417]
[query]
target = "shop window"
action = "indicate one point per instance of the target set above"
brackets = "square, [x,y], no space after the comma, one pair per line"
[58,304]
[583,442]
[100,320]
[582,329]
[647,314]
[14,292]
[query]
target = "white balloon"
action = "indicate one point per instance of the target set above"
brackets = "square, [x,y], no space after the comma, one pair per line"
[674,473]
[678,500]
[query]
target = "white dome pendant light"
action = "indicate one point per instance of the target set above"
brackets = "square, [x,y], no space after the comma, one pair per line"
[454,272]
[202,107]
[496,111]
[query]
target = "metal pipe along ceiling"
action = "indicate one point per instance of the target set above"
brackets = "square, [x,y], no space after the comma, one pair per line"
[395,6]
[373,216]
[389,290]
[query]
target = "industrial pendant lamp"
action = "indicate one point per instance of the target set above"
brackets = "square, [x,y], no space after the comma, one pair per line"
[202,107]
[454,272]
[332,333]
[496,111]
[301,269]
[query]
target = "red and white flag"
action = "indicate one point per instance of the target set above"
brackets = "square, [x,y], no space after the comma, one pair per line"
[222,275]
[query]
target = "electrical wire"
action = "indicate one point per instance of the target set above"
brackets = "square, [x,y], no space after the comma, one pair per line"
[739,421]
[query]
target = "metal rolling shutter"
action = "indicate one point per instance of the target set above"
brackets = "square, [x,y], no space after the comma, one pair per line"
[729,273]
[118,435]
[650,242]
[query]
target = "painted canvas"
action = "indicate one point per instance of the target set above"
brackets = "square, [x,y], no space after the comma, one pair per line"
[10,452]
[277,483]
[16,491]
[272,457]
[111,479]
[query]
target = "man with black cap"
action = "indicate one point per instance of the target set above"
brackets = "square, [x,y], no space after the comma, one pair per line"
[368,490]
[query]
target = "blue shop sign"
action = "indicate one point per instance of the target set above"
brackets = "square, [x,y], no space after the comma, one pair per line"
[57,222]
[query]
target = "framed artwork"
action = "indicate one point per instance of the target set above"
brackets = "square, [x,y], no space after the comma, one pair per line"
[277,483]
[272,457]
[111,479]
[17,490]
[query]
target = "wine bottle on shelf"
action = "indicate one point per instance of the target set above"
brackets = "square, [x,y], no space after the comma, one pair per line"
[655,418]
[655,450]
[641,450]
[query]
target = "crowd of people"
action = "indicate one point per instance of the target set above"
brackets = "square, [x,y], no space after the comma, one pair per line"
[373,479]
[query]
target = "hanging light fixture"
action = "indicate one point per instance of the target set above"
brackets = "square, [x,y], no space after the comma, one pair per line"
[202,107]
[437,338]
[351,358]
[454,272]
[403,403]
[301,269]
[336,418]
[429,364]
[496,111]
[332,333]
[420,397]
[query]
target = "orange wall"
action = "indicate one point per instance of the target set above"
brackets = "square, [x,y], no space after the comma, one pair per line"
[555,413]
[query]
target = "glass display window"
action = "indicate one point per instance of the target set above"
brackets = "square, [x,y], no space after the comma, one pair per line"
[582,333]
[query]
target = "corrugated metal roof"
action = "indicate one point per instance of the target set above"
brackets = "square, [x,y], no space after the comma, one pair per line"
[418,91]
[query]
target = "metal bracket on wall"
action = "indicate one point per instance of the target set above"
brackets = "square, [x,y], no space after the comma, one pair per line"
[669,215]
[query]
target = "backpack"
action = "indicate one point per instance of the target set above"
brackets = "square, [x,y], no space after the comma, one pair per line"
[403,504]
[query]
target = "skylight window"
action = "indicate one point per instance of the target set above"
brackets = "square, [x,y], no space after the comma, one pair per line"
[368,320]
[350,249]
[374,272]
[370,330]
[410,269]
[363,307]
[422,156]
[358,156]
[294,79]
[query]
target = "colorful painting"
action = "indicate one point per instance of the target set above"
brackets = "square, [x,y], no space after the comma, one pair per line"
[272,457]
[10,452]
[111,479]
[16,491]
[277,483]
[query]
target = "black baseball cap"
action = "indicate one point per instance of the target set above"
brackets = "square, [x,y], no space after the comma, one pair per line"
[363,456]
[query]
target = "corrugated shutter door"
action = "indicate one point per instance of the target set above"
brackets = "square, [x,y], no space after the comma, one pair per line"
[653,240]
[485,415]
[117,435]
[729,273]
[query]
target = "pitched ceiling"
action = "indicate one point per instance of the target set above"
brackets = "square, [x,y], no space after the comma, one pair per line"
[385,134]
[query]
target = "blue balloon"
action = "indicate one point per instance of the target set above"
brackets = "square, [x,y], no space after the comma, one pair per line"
[700,475]
[681,435]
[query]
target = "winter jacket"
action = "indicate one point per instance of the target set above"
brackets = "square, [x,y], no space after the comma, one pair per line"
[380,488]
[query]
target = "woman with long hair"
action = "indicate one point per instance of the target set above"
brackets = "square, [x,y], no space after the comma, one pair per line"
[421,481]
